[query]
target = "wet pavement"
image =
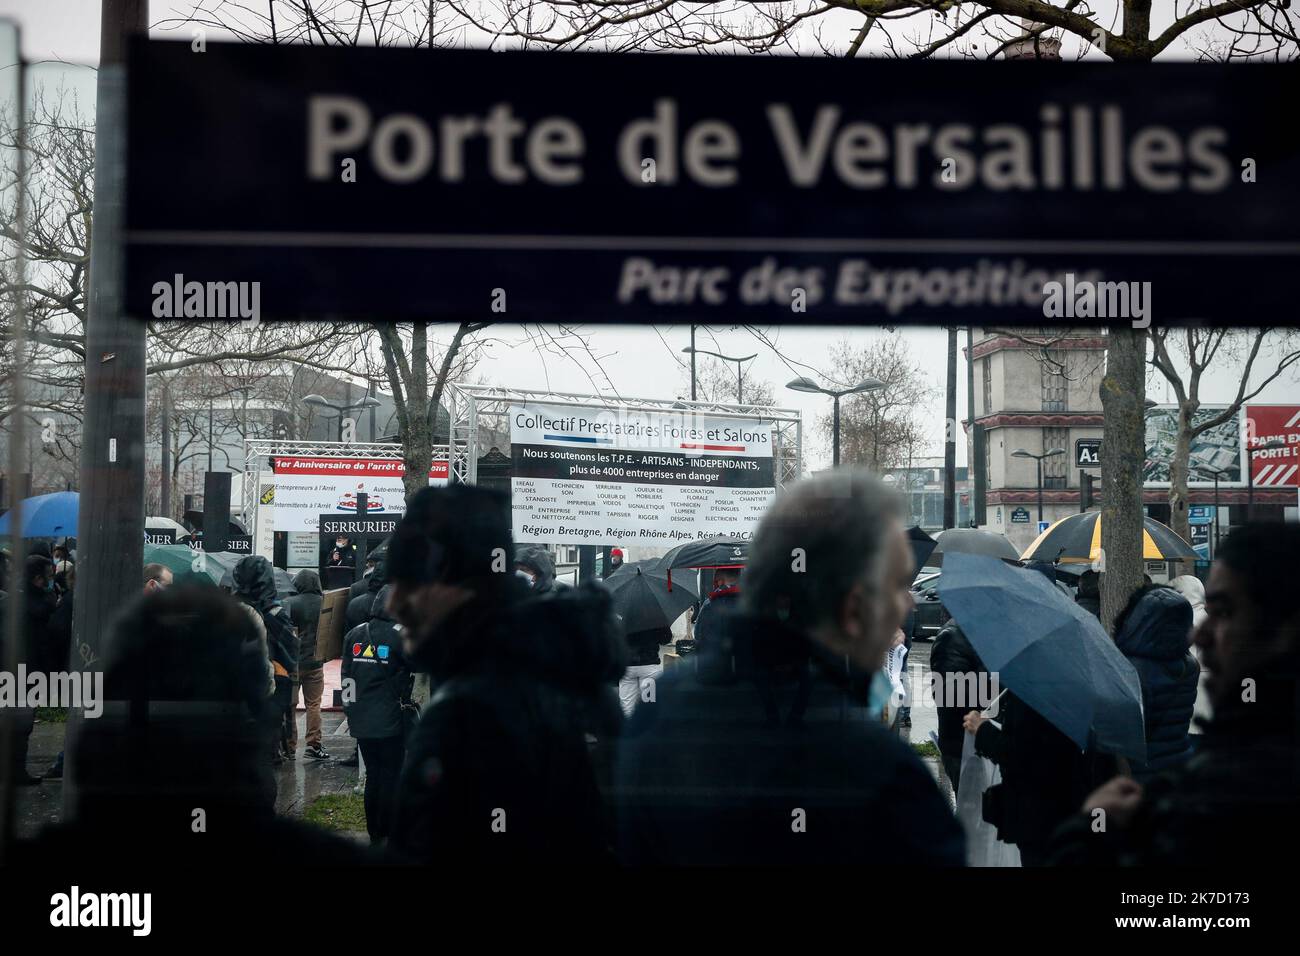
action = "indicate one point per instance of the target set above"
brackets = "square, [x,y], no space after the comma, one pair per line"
[303,779]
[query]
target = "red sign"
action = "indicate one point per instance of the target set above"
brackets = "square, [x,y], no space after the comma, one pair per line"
[1268,424]
[291,465]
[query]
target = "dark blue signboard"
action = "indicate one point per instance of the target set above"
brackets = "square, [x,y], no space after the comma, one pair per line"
[286,182]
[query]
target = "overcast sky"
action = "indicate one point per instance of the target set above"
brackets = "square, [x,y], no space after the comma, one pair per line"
[642,361]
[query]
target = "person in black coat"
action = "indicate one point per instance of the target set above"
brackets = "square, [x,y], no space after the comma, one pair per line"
[362,595]
[704,778]
[184,783]
[377,700]
[498,770]
[39,605]
[958,668]
[1154,632]
[304,612]
[255,586]
[1088,595]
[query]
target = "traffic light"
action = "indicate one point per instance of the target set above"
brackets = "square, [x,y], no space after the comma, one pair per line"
[1088,494]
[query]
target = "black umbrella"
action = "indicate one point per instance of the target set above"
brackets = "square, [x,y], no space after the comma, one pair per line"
[922,545]
[644,598]
[974,541]
[707,553]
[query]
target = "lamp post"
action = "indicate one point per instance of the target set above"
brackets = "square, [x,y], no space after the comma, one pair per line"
[1250,473]
[1038,460]
[368,402]
[804,384]
[693,351]
[1216,474]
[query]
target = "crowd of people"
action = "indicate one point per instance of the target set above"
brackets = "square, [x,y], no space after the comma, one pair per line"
[550,734]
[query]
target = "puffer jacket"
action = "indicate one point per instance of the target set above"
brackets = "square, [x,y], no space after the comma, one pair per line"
[1155,640]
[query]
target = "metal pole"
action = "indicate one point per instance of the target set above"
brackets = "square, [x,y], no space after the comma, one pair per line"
[950,440]
[17,584]
[166,458]
[1039,463]
[740,384]
[1215,552]
[835,458]
[211,415]
[1250,484]
[110,524]
[692,362]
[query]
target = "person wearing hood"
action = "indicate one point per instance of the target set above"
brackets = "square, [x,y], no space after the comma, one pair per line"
[362,596]
[304,612]
[538,564]
[498,770]
[1153,631]
[705,779]
[1190,587]
[377,701]
[255,587]
[1088,596]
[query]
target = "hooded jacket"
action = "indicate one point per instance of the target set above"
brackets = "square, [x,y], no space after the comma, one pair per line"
[358,611]
[500,747]
[955,662]
[1088,596]
[373,659]
[255,586]
[1155,640]
[304,611]
[540,561]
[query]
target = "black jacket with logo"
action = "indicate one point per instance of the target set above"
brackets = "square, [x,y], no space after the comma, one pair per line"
[373,660]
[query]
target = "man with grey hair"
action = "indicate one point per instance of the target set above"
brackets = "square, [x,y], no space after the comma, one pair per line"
[705,776]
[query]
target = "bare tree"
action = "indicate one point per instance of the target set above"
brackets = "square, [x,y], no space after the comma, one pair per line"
[878,429]
[1183,356]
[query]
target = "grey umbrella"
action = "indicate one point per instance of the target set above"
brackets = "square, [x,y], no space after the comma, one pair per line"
[1051,653]
[973,541]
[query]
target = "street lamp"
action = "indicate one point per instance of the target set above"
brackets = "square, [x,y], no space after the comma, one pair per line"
[804,384]
[1250,473]
[367,402]
[1216,474]
[1038,460]
[693,351]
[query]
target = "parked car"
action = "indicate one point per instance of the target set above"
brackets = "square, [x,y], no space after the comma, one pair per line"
[930,616]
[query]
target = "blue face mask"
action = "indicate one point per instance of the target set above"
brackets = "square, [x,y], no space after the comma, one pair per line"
[878,694]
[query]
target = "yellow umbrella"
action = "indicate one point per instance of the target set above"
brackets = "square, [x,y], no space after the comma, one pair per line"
[1076,539]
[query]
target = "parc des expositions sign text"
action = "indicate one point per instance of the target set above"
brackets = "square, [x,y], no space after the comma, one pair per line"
[294,182]
[609,476]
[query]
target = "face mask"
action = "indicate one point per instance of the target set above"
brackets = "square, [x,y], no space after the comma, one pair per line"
[878,694]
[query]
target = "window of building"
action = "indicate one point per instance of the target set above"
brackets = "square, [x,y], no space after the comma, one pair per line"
[988,386]
[1056,470]
[1055,387]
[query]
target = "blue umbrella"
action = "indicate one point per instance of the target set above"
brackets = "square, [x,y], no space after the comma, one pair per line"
[1051,653]
[46,516]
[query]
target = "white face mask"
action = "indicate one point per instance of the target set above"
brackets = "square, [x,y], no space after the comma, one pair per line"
[532,581]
